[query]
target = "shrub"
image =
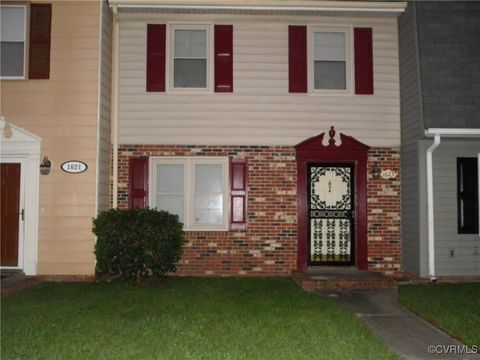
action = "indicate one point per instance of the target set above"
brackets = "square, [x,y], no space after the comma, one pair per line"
[137,242]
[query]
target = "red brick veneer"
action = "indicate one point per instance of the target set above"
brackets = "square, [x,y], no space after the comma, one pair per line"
[383,211]
[269,245]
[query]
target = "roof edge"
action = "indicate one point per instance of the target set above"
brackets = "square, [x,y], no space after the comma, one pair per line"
[280,5]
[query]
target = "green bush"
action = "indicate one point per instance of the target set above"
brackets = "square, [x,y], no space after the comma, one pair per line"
[137,242]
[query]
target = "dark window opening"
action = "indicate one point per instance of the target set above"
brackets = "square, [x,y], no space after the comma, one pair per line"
[467,195]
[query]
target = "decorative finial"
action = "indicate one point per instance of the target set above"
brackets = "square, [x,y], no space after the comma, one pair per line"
[7,131]
[331,133]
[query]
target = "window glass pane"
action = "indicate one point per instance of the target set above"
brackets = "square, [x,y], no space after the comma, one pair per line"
[190,43]
[188,73]
[11,58]
[170,178]
[208,178]
[208,202]
[467,195]
[330,75]
[171,203]
[208,209]
[329,45]
[12,23]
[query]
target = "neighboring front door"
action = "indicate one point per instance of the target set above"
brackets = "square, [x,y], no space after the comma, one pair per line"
[331,214]
[9,213]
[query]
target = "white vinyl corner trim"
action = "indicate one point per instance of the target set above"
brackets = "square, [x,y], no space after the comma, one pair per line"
[431,229]
[114,106]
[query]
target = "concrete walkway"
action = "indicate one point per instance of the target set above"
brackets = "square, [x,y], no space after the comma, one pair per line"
[13,281]
[406,334]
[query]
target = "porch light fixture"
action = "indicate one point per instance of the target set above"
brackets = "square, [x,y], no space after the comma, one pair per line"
[45,166]
[376,171]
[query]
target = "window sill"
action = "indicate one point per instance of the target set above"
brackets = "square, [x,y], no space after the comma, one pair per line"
[189,91]
[13,78]
[330,93]
[225,229]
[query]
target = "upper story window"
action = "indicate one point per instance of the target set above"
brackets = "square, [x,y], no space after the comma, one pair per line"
[467,195]
[329,62]
[190,57]
[12,40]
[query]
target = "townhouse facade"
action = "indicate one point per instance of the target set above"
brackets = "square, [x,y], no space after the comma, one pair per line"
[55,108]
[273,131]
[440,110]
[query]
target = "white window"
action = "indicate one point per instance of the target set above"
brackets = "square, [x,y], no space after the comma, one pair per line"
[190,57]
[329,68]
[12,41]
[194,188]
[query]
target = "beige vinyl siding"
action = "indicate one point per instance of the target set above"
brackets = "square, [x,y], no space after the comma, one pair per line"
[104,134]
[260,111]
[63,112]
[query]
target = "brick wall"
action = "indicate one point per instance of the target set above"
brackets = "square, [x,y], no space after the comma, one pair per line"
[268,245]
[383,212]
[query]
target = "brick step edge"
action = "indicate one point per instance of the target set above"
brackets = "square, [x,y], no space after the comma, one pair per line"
[343,284]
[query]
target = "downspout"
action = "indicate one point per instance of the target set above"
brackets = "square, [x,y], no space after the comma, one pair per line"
[430,207]
[115,106]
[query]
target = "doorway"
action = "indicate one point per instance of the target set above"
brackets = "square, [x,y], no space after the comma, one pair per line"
[11,215]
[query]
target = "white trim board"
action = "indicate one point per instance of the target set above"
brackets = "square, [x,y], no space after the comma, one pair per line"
[19,145]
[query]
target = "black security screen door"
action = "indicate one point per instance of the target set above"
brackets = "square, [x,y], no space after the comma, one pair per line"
[331,212]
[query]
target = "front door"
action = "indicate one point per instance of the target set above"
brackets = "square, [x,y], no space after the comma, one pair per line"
[331,213]
[9,214]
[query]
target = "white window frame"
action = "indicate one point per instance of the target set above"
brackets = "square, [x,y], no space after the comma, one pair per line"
[349,71]
[189,163]
[25,44]
[171,27]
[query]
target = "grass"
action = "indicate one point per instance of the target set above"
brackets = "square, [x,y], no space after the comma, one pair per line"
[182,318]
[455,308]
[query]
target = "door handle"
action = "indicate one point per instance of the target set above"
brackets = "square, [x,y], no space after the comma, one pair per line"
[22,213]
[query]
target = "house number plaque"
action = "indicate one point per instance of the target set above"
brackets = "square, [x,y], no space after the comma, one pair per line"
[74,167]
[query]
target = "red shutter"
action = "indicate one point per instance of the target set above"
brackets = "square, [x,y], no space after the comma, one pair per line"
[156,34]
[363,61]
[238,194]
[223,58]
[297,59]
[40,33]
[138,179]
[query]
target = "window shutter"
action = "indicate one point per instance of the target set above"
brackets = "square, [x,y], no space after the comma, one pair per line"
[138,179]
[363,61]
[40,34]
[223,58]
[297,59]
[156,38]
[238,193]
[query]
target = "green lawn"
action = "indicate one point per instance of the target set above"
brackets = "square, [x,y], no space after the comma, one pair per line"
[454,308]
[182,318]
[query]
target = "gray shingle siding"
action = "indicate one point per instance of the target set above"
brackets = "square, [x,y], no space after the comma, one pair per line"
[449,48]
[439,49]
[411,130]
